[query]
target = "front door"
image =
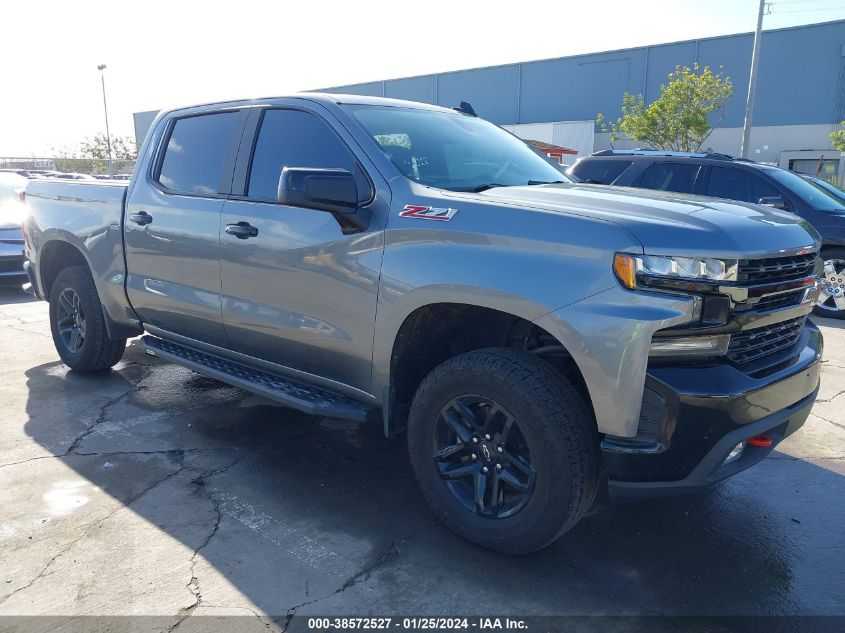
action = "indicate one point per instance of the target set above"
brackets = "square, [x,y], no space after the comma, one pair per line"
[297,290]
[173,228]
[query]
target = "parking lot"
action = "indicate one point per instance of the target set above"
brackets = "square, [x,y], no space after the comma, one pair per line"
[151,490]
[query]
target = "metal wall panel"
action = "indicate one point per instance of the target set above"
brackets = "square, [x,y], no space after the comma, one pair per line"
[577,135]
[797,85]
[491,91]
[412,89]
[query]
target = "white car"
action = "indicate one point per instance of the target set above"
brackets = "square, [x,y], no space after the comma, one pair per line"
[12,212]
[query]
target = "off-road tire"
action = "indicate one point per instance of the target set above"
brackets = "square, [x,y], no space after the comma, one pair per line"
[97,351]
[557,423]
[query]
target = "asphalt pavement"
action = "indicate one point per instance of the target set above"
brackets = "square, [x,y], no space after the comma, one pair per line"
[152,491]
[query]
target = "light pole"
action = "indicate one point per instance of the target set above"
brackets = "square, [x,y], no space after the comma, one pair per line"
[752,83]
[101,68]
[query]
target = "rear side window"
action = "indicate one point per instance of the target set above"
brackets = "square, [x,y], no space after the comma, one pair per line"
[677,177]
[738,184]
[194,156]
[599,171]
[293,138]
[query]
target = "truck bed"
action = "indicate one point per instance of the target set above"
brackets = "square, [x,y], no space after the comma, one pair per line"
[87,215]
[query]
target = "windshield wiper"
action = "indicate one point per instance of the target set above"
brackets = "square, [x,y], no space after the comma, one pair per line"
[488,185]
[492,185]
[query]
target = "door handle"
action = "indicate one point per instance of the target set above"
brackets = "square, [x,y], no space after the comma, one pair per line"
[142,217]
[242,230]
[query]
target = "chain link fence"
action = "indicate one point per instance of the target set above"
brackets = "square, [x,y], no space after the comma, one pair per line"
[89,166]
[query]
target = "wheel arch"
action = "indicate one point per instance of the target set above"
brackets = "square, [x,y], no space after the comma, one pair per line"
[54,256]
[57,253]
[431,333]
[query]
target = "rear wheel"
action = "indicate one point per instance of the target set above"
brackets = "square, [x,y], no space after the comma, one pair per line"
[78,324]
[504,449]
[831,301]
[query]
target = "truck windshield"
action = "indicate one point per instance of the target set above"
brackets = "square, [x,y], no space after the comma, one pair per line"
[453,151]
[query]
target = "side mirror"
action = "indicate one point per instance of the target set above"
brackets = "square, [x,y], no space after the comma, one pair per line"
[337,191]
[333,190]
[774,201]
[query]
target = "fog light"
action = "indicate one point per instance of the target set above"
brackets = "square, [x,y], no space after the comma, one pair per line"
[735,453]
[689,346]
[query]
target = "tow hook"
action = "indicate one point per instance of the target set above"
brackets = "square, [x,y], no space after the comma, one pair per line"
[760,440]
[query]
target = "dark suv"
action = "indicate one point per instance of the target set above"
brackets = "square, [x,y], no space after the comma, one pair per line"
[722,176]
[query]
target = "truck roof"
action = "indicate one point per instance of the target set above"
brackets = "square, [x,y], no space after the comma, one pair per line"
[325,98]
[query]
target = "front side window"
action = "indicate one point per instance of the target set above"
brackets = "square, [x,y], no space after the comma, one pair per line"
[195,153]
[293,138]
[451,150]
[815,196]
[675,177]
[738,184]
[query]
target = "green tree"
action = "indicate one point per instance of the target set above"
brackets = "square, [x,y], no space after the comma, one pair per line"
[91,155]
[837,138]
[122,147]
[681,118]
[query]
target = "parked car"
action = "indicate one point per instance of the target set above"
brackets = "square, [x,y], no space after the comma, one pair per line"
[722,176]
[43,173]
[12,212]
[412,266]
[20,172]
[71,176]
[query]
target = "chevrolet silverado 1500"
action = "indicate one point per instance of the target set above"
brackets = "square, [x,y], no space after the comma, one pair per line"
[420,268]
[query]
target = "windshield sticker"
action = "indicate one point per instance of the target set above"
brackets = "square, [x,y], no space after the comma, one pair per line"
[427,213]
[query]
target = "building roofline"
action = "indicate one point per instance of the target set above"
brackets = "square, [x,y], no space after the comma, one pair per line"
[587,54]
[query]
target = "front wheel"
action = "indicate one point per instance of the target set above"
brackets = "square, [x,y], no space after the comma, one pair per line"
[504,449]
[831,301]
[78,324]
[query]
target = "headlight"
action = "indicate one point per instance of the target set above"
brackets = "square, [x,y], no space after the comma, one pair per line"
[657,268]
[689,346]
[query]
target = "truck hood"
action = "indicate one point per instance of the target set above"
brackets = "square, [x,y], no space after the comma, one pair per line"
[672,224]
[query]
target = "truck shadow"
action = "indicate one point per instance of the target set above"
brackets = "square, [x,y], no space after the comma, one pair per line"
[293,510]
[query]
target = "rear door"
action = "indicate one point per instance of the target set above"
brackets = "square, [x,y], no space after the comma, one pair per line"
[172,226]
[301,290]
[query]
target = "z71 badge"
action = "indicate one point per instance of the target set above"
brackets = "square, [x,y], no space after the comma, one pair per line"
[427,213]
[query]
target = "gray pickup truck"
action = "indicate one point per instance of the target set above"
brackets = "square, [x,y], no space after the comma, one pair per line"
[420,268]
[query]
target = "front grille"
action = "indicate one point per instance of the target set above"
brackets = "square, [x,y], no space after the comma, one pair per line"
[773,302]
[775,269]
[753,344]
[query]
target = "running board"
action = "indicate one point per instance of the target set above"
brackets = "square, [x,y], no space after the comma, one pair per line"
[289,392]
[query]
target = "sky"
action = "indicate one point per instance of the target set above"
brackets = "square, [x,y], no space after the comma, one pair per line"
[162,54]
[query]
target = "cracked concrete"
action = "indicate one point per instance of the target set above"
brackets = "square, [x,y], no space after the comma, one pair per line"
[152,491]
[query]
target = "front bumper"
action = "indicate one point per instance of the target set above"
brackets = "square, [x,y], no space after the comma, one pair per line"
[698,414]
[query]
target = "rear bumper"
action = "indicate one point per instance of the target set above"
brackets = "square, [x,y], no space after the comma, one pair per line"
[12,271]
[699,414]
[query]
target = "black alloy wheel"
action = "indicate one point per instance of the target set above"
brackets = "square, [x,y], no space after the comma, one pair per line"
[71,322]
[483,457]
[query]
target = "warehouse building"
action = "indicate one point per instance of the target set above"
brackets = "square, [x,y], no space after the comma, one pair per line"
[800,93]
